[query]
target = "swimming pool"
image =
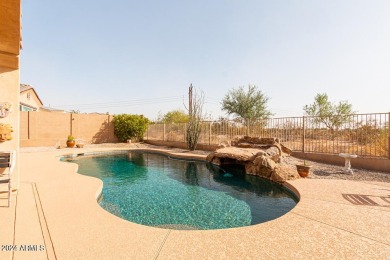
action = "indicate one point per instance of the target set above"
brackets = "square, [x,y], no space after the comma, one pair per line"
[156,190]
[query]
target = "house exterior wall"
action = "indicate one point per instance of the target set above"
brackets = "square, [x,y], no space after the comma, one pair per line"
[9,74]
[9,34]
[30,98]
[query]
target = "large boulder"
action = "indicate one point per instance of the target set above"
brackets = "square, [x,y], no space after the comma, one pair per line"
[260,156]
[239,154]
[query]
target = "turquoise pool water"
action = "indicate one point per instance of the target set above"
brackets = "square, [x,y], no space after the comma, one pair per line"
[155,190]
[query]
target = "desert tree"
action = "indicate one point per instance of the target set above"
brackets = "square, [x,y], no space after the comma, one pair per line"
[332,115]
[246,104]
[174,116]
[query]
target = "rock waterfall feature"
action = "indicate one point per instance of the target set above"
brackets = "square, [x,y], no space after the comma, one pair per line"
[260,156]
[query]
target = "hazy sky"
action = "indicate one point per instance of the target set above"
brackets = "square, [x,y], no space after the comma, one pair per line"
[139,57]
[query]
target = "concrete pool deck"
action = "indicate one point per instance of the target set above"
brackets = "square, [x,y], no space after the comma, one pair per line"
[54,215]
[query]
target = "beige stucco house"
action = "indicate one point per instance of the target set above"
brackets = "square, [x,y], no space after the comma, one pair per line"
[29,99]
[10,45]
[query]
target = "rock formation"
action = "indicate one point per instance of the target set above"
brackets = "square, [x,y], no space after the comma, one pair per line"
[260,156]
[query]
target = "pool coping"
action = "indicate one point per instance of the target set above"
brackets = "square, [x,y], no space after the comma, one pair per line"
[322,225]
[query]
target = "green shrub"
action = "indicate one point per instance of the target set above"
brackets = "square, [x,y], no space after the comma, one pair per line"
[130,126]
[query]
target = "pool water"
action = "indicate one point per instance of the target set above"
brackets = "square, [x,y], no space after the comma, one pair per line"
[155,190]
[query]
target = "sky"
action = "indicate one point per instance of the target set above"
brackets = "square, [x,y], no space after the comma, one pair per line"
[140,57]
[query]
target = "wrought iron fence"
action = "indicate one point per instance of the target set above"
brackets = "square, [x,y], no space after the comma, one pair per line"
[361,134]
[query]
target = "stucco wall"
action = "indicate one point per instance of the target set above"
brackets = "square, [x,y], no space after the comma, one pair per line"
[45,128]
[9,74]
[9,86]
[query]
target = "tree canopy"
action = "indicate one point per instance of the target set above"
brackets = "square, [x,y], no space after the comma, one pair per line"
[174,116]
[330,114]
[250,104]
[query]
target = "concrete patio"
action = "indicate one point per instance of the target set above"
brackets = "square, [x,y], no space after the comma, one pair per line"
[54,215]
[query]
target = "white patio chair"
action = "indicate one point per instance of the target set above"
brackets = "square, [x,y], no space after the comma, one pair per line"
[7,161]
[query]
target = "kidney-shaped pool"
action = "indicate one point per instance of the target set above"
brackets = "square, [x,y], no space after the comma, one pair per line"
[156,190]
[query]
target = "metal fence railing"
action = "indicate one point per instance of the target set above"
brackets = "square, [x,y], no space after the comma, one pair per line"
[361,134]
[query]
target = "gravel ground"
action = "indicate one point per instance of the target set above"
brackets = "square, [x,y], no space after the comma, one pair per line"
[318,170]
[329,171]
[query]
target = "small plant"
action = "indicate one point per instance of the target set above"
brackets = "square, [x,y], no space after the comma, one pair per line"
[71,141]
[305,163]
[303,169]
